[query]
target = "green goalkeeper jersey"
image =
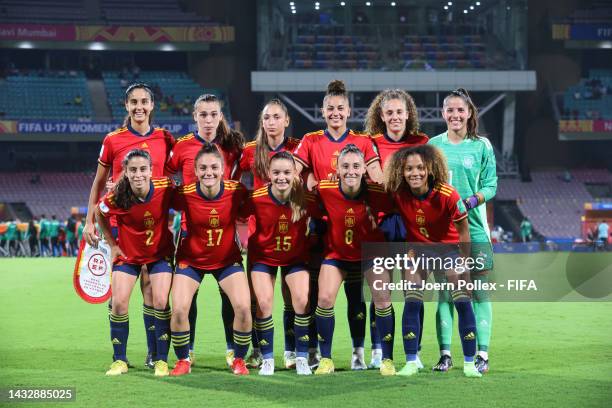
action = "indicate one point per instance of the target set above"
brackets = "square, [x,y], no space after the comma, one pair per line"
[472,169]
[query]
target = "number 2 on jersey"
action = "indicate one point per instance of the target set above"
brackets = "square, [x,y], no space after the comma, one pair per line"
[149,240]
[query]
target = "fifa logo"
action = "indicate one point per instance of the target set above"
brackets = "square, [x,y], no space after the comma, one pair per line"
[349,218]
[149,221]
[283,224]
[213,219]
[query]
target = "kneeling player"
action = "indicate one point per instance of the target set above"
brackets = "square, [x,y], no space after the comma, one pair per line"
[279,240]
[140,205]
[433,213]
[211,207]
[350,203]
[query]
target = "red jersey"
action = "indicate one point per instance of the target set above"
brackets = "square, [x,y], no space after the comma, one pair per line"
[276,240]
[182,158]
[144,236]
[318,151]
[349,220]
[211,226]
[158,142]
[431,218]
[387,146]
[247,159]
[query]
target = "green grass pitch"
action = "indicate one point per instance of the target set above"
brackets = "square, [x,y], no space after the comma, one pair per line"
[542,355]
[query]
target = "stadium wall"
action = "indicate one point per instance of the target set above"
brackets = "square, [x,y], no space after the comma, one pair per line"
[230,65]
[557,67]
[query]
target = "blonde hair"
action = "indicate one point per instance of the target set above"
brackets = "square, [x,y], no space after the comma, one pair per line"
[373,121]
[262,148]
[296,196]
[433,158]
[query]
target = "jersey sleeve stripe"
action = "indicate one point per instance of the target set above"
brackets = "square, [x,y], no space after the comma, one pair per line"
[372,160]
[463,216]
[101,163]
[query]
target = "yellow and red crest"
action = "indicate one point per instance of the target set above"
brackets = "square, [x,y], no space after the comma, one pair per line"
[213,219]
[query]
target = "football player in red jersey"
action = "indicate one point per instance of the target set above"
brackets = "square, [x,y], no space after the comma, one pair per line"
[281,211]
[433,212]
[352,205]
[318,152]
[212,128]
[269,140]
[136,133]
[211,206]
[140,206]
[392,122]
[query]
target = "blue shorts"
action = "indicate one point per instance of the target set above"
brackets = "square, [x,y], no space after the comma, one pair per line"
[393,227]
[352,269]
[197,274]
[161,266]
[115,232]
[285,270]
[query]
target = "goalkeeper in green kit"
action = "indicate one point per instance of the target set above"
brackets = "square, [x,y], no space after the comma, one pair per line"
[471,165]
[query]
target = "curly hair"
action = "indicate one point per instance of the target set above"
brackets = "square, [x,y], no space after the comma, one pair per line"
[262,148]
[374,124]
[472,122]
[230,140]
[435,162]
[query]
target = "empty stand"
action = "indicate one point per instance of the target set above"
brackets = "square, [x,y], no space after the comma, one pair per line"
[49,95]
[55,193]
[553,204]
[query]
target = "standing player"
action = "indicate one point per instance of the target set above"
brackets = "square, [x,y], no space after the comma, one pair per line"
[318,152]
[472,172]
[433,213]
[279,240]
[212,128]
[271,139]
[136,133]
[211,206]
[140,206]
[351,205]
[392,122]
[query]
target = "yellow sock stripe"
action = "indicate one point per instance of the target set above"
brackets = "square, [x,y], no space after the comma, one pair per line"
[414,295]
[163,315]
[324,312]
[242,340]
[180,340]
[459,294]
[264,326]
[302,321]
[149,311]
[384,312]
[119,318]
